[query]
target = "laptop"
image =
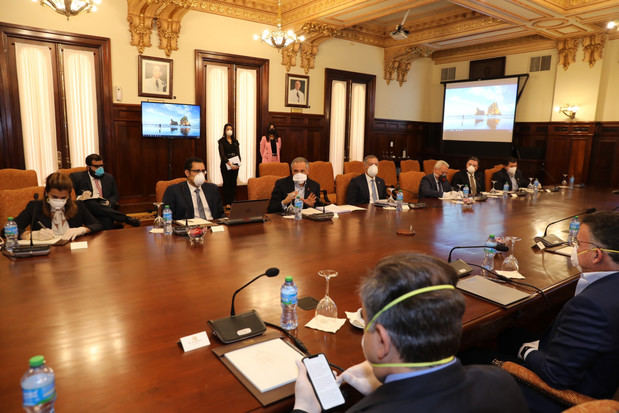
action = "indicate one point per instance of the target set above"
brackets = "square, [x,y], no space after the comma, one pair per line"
[246,212]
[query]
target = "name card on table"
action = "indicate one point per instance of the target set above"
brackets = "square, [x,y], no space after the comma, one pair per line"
[195,341]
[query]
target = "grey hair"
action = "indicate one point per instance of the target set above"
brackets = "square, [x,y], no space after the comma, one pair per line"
[300,159]
[440,163]
[368,157]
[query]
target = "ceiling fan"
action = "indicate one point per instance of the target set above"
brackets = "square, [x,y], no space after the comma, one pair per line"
[400,33]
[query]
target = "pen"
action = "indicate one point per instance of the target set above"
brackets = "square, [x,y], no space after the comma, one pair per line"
[41,224]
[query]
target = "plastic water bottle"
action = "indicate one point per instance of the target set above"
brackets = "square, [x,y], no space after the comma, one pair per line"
[10,233]
[288,295]
[572,182]
[536,185]
[298,208]
[167,220]
[399,200]
[489,253]
[574,228]
[465,192]
[38,386]
[505,190]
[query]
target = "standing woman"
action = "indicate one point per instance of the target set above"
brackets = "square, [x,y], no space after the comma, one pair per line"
[229,148]
[270,145]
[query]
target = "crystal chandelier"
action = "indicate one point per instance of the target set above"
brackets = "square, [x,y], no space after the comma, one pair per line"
[278,38]
[70,7]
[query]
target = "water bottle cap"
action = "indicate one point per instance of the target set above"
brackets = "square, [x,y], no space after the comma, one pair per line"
[491,236]
[575,216]
[167,206]
[37,361]
[10,218]
[289,279]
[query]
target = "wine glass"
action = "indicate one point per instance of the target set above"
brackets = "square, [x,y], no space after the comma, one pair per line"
[158,222]
[530,186]
[493,185]
[511,263]
[564,181]
[460,190]
[326,306]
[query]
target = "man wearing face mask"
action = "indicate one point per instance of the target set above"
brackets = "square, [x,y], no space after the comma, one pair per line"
[97,189]
[510,175]
[366,188]
[288,188]
[580,351]
[194,198]
[435,184]
[409,362]
[470,177]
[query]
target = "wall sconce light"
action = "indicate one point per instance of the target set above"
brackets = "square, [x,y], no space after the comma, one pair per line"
[612,25]
[568,110]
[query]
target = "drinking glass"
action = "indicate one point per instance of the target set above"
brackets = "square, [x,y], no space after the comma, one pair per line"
[530,186]
[326,307]
[511,263]
[158,222]
[493,184]
[564,181]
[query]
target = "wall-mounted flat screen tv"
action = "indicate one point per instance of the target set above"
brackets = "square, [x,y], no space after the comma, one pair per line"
[170,120]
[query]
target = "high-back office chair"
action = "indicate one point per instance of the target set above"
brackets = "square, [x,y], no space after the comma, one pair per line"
[386,170]
[14,201]
[409,165]
[428,166]
[341,186]
[69,171]
[410,181]
[261,188]
[353,166]
[17,178]
[161,186]
[279,169]
[451,173]
[488,175]
[322,172]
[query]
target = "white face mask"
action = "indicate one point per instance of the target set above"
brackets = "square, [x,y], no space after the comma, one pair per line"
[470,169]
[228,132]
[299,178]
[199,179]
[373,171]
[56,203]
[574,259]
[512,170]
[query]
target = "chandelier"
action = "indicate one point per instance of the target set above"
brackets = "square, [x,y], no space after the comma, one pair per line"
[70,7]
[278,38]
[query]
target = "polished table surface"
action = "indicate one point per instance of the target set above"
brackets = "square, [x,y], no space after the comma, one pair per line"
[108,318]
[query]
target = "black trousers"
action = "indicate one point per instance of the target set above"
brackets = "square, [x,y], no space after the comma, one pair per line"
[105,214]
[229,187]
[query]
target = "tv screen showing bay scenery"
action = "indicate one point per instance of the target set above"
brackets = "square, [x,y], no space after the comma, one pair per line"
[170,120]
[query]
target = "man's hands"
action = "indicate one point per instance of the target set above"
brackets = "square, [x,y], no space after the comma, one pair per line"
[361,377]
[304,396]
[310,200]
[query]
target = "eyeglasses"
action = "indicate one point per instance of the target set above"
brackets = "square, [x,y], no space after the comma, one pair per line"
[197,171]
[596,247]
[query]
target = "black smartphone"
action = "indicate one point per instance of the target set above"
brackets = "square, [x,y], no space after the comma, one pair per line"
[322,379]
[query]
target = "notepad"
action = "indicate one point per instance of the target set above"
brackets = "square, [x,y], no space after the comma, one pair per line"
[491,291]
[51,241]
[193,222]
[267,365]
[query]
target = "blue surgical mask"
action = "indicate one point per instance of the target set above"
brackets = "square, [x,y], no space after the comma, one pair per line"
[99,171]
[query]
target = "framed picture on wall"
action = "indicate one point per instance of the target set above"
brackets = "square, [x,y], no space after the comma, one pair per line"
[155,77]
[297,91]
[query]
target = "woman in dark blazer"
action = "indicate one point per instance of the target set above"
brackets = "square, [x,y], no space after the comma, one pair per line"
[229,148]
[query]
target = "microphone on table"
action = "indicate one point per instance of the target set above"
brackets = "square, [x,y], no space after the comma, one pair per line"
[553,240]
[461,267]
[31,250]
[33,220]
[241,326]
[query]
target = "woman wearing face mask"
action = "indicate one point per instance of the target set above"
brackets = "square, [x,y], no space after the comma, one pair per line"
[56,215]
[270,145]
[229,149]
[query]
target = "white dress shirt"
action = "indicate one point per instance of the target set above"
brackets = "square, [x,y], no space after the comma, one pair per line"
[194,200]
[369,179]
[514,181]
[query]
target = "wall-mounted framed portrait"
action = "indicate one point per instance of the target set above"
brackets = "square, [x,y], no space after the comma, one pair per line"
[297,91]
[155,77]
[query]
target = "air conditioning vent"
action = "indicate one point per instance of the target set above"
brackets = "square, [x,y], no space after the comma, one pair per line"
[448,73]
[540,63]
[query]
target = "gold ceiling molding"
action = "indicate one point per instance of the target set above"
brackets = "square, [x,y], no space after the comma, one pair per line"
[593,46]
[567,52]
[315,34]
[264,12]
[397,61]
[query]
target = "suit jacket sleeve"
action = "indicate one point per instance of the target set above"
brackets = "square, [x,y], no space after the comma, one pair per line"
[500,177]
[382,188]
[85,218]
[222,152]
[214,200]
[111,192]
[427,188]
[314,187]
[24,218]
[277,196]
[170,197]
[81,182]
[263,145]
[353,193]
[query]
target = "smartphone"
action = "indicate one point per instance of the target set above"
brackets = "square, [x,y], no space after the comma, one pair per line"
[322,379]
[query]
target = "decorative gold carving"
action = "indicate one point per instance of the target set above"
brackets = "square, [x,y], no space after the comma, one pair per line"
[397,61]
[567,52]
[140,27]
[315,34]
[289,55]
[593,46]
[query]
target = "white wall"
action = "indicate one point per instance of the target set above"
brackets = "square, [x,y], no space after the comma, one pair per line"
[608,98]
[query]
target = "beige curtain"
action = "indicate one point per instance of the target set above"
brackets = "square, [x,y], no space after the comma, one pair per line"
[81,102]
[216,117]
[36,102]
[246,121]
[357,122]
[338,126]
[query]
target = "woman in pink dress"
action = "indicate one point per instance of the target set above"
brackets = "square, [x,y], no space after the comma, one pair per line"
[270,145]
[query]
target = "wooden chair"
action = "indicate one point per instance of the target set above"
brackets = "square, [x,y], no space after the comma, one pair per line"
[353,166]
[161,186]
[451,173]
[17,178]
[69,171]
[341,186]
[322,172]
[596,406]
[428,166]
[261,188]
[274,168]
[386,170]
[409,181]
[409,165]
[14,201]
[488,175]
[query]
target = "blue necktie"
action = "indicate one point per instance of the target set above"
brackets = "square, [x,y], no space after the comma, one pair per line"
[374,195]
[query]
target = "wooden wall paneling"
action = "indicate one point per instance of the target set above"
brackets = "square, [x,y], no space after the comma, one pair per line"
[604,164]
[302,134]
[568,150]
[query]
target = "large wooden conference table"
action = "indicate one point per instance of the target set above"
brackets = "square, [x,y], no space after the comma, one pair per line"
[108,318]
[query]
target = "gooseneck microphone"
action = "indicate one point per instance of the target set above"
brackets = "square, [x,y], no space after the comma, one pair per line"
[552,240]
[34,218]
[587,211]
[499,247]
[271,272]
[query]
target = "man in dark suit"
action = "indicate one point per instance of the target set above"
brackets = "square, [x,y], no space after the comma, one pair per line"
[470,177]
[435,184]
[580,351]
[286,189]
[97,189]
[410,364]
[194,198]
[367,187]
[510,175]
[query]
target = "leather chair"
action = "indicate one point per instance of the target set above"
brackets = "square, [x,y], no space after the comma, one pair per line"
[451,173]
[161,186]
[410,181]
[261,188]
[274,168]
[14,201]
[341,186]
[353,166]
[386,170]
[17,178]
[428,166]
[488,175]
[69,171]
[409,165]
[322,172]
